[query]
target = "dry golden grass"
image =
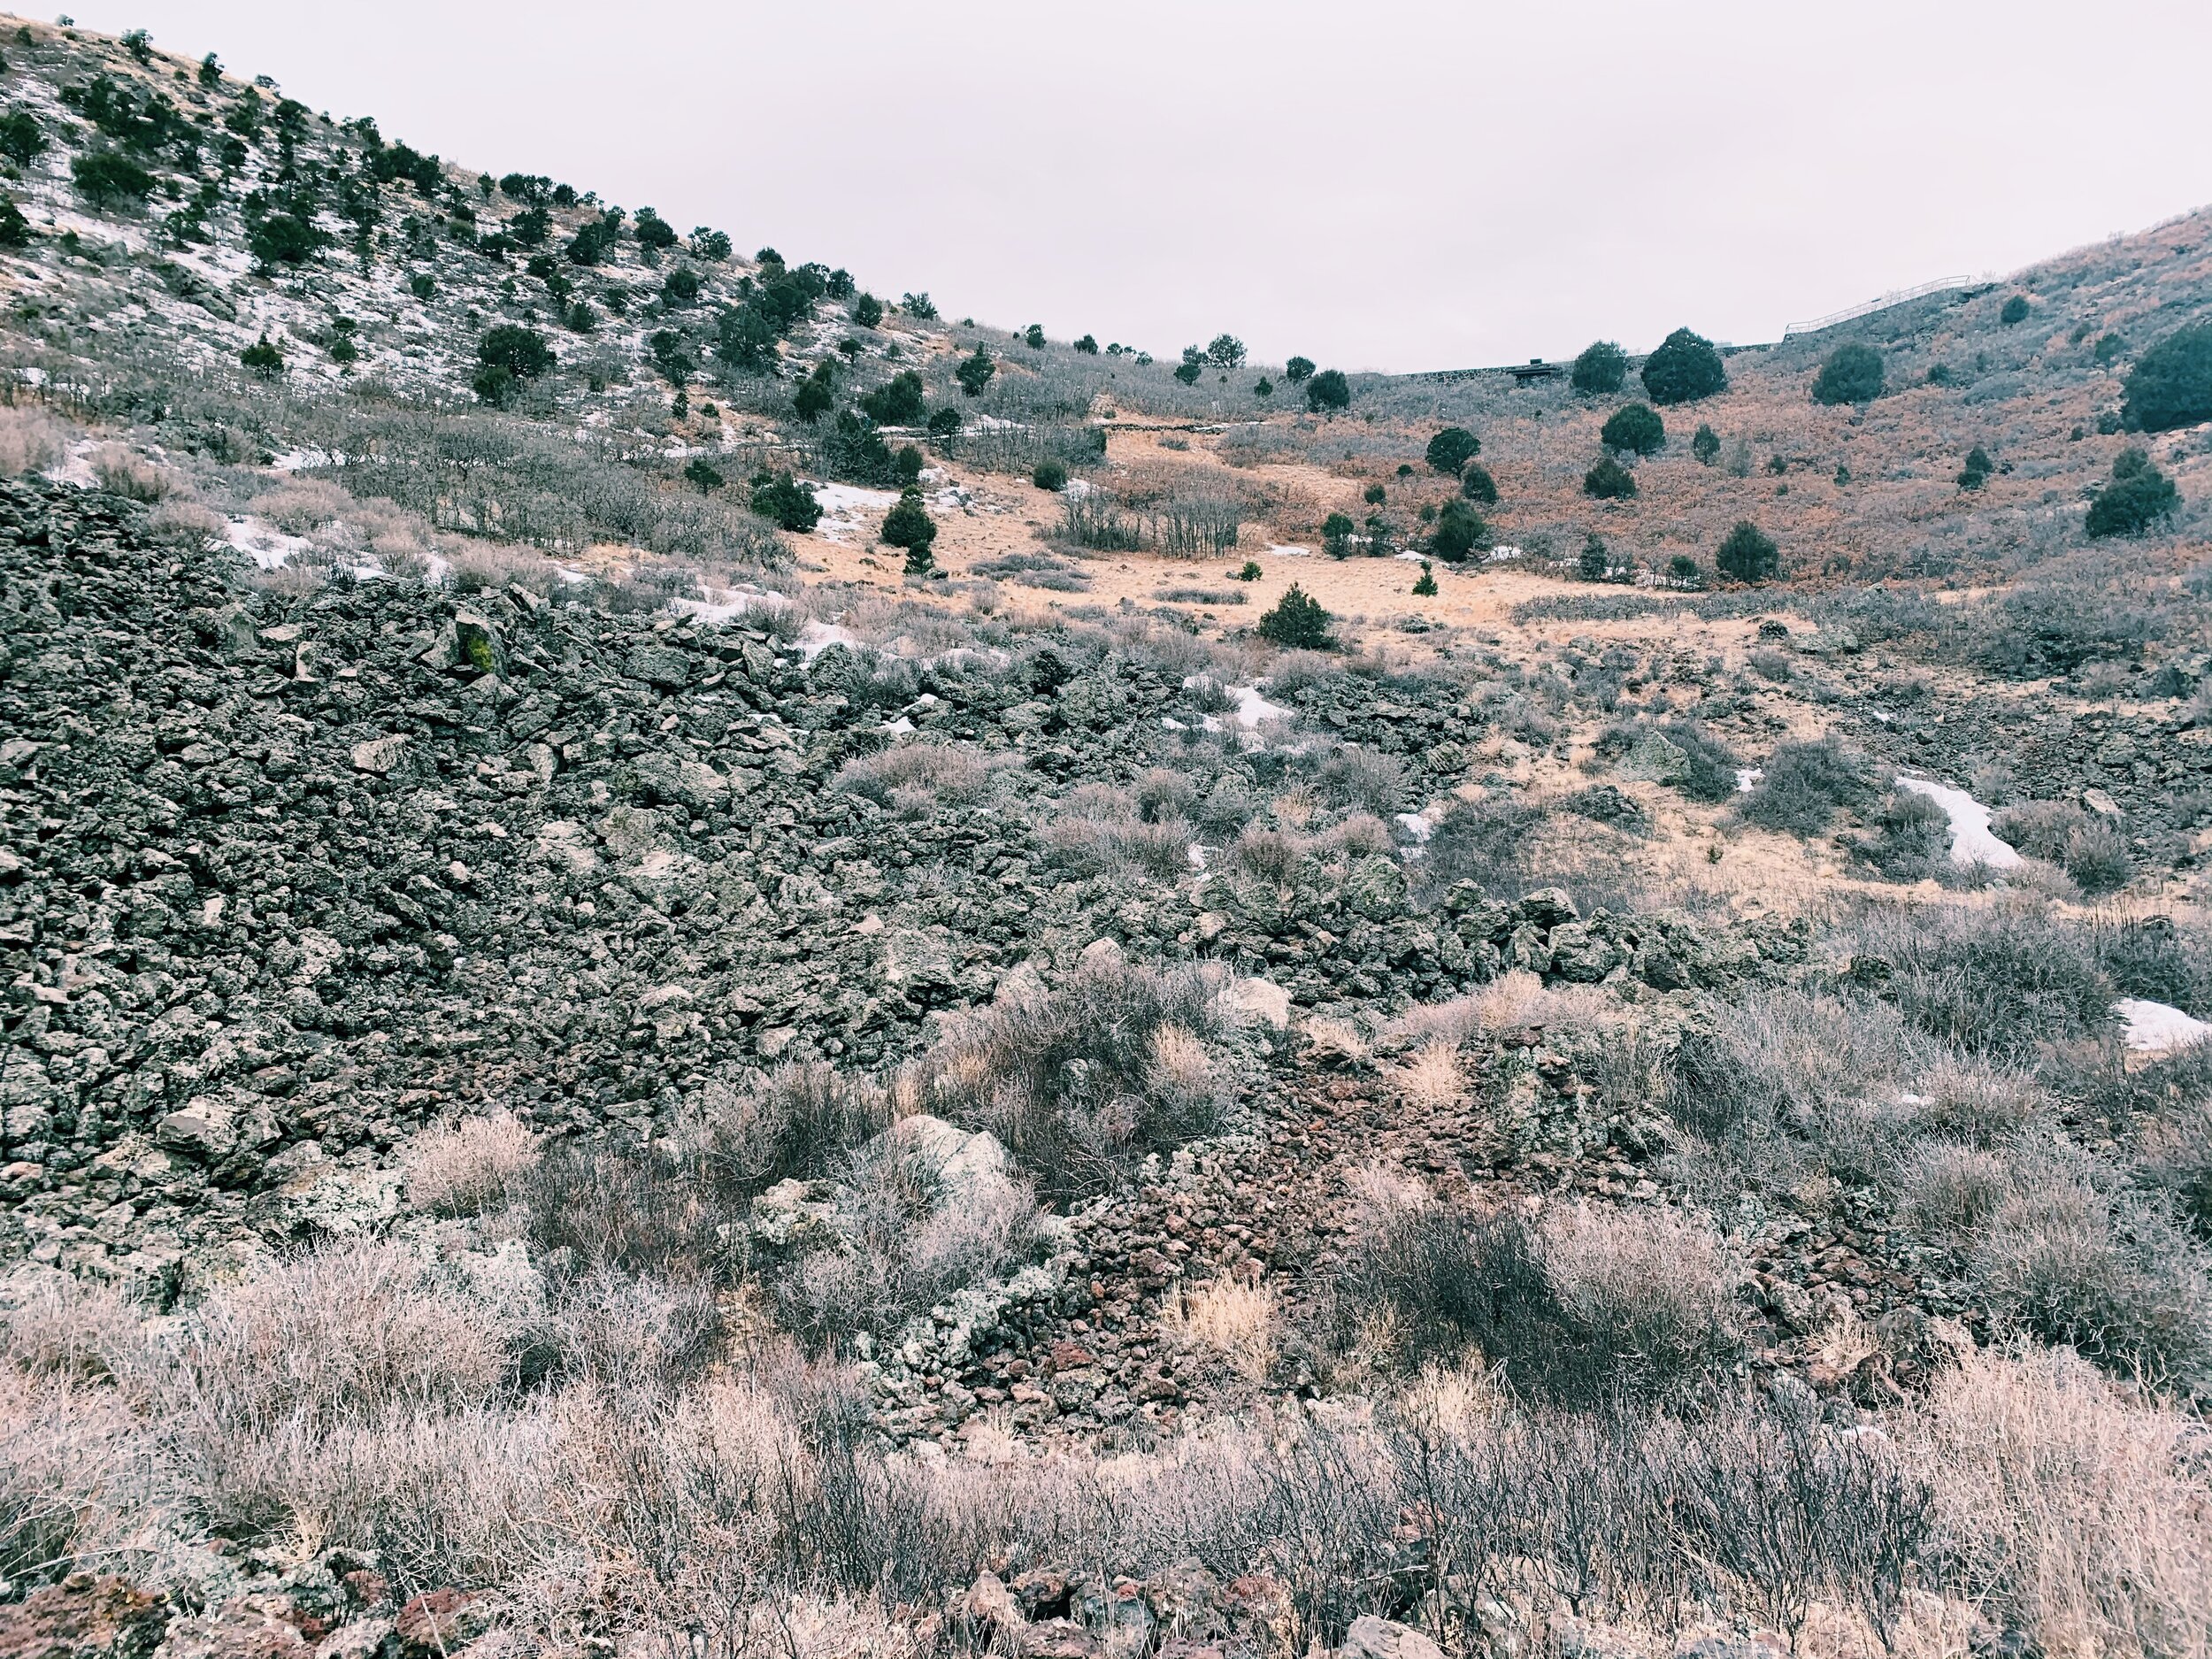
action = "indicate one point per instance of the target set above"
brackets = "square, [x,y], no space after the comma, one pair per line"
[2095,1509]
[1232,1317]
[1432,1080]
[469,1168]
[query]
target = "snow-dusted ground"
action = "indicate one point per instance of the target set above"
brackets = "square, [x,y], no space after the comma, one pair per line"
[726,604]
[1745,777]
[1288,550]
[2156,1028]
[1253,708]
[1972,840]
[817,637]
[263,542]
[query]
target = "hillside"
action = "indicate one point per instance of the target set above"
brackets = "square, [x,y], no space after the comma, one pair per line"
[599,1060]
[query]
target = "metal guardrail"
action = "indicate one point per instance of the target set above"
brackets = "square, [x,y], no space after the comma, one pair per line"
[1898,297]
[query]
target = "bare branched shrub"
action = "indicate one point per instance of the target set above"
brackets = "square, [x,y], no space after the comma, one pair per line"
[471,1168]
[1662,1287]
[330,1334]
[122,471]
[904,1243]
[2104,1274]
[1997,981]
[301,505]
[31,439]
[186,523]
[913,778]
[1364,778]
[1582,1307]
[53,1323]
[1072,1081]
[800,1120]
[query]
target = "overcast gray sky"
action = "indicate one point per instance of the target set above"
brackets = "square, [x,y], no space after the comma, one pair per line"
[1386,184]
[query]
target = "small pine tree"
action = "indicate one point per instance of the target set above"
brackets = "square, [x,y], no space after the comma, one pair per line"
[1298,371]
[15,230]
[1609,481]
[944,422]
[1328,391]
[785,502]
[1685,367]
[2170,384]
[2016,311]
[1336,536]
[1088,344]
[1706,444]
[1251,572]
[211,71]
[263,357]
[1852,374]
[1460,530]
[1049,474]
[1477,486]
[867,311]
[1451,449]
[1374,495]
[1595,563]
[1600,370]
[22,139]
[975,371]
[910,526]
[2139,496]
[1748,554]
[704,476]
[817,394]
[1683,572]
[522,352]
[1978,466]
[1263,388]
[1426,588]
[1298,622]
[1225,351]
[902,401]
[1636,429]
[105,178]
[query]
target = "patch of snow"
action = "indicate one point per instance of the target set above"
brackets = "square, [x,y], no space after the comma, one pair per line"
[1415,826]
[817,637]
[1197,856]
[1500,554]
[1288,550]
[1409,554]
[1172,724]
[2156,1028]
[839,501]
[74,468]
[263,542]
[1972,840]
[1253,708]
[724,605]
[1746,776]
[894,727]
[300,460]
